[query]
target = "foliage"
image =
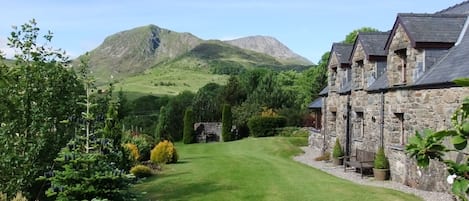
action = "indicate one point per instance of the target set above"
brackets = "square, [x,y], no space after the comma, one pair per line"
[337,151]
[207,103]
[227,123]
[233,92]
[162,128]
[175,114]
[293,132]
[189,132]
[350,38]
[87,168]
[429,146]
[260,126]
[381,162]
[38,93]
[133,150]
[164,152]
[144,144]
[141,171]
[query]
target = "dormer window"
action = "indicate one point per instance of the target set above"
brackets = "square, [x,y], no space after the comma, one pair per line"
[402,65]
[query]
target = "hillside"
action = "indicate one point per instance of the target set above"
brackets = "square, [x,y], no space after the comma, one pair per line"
[133,51]
[270,46]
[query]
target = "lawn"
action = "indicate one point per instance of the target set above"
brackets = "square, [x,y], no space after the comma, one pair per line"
[253,169]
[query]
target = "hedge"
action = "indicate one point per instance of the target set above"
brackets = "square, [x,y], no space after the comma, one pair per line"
[260,126]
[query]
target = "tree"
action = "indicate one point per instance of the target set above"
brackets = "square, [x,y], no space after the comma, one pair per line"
[430,145]
[188,136]
[227,124]
[207,103]
[86,168]
[38,94]
[350,38]
[233,93]
[162,128]
[176,108]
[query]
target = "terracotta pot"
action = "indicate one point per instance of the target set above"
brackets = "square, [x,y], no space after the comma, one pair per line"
[381,174]
[337,161]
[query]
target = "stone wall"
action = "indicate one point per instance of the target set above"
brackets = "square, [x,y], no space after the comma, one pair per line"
[208,131]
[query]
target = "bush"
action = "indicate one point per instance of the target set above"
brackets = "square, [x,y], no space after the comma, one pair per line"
[261,126]
[227,122]
[293,132]
[133,150]
[188,132]
[144,144]
[141,171]
[164,152]
[381,162]
[337,151]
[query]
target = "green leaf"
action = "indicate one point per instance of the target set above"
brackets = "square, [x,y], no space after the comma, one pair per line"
[462,81]
[458,140]
[460,187]
[423,161]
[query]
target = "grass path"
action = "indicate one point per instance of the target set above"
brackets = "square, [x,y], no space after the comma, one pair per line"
[253,169]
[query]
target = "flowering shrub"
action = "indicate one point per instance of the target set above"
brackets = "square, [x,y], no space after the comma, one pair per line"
[141,171]
[164,152]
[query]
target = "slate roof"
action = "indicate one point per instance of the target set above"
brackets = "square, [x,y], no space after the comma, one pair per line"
[342,51]
[380,84]
[316,104]
[430,28]
[461,8]
[373,42]
[324,91]
[453,65]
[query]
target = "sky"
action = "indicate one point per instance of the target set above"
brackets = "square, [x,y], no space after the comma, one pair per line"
[308,27]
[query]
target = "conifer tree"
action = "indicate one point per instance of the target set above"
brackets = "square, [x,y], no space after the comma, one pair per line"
[227,123]
[188,135]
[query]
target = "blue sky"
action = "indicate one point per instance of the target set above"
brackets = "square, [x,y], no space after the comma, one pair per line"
[308,27]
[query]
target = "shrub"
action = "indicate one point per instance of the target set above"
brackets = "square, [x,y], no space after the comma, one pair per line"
[261,126]
[133,150]
[141,171]
[293,132]
[164,152]
[188,132]
[144,144]
[227,123]
[337,151]
[324,157]
[381,162]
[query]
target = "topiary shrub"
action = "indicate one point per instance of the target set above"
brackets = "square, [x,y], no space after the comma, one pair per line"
[262,126]
[337,151]
[164,152]
[133,150]
[141,171]
[188,132]
[227,122]
[381,162]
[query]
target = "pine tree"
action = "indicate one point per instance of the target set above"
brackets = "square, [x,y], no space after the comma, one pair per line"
[188,135]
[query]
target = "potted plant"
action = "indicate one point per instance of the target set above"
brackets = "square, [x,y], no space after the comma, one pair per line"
[337,153]
[381,166]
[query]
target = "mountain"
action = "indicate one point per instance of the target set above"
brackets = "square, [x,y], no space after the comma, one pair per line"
[133,51]
[270,46]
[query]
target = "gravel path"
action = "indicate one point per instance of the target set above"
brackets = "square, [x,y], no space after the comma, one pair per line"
[311,153]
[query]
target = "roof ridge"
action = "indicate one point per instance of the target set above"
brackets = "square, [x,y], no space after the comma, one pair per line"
[341,43]
[374,33]
[431,15]
[451,7]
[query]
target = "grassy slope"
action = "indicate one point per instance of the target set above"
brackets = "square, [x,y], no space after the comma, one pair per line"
[253,169]
[184,79]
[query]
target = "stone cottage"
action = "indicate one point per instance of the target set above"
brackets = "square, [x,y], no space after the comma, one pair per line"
[389,85]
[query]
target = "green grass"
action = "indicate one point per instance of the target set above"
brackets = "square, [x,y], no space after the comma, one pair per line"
[253,169]
[180,79]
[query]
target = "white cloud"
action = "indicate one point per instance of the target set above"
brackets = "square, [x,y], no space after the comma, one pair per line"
[6,51]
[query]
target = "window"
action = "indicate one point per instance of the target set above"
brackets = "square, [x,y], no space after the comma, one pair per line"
[359,126]
[360,74]
[402,65]
[333,76]
[401,128]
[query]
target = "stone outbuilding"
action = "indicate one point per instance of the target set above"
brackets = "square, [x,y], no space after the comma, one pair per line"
[389,85]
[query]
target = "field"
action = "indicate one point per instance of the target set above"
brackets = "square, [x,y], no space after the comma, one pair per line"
[253,169]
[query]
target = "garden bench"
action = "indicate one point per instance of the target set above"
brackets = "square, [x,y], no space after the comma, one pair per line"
[361,160]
